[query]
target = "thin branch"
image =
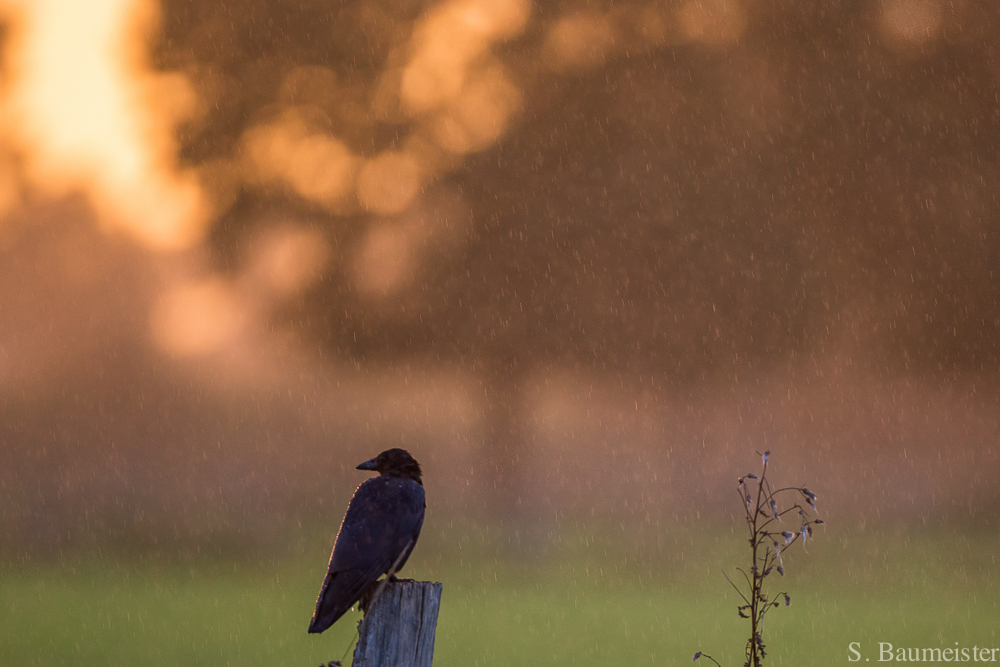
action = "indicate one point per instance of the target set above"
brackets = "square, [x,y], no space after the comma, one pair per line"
[734,587]
[699,654]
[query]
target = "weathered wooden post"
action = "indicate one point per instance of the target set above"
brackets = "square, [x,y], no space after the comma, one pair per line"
[399,625]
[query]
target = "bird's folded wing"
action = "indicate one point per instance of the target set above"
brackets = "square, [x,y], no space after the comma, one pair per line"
[384,517]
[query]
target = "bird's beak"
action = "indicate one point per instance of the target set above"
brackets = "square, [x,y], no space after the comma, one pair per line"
[368,465]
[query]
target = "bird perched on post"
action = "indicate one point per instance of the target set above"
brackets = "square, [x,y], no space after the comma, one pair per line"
[377,535]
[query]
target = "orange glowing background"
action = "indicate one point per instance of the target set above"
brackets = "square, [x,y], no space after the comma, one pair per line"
[84,111]
[505,231]
[87,114]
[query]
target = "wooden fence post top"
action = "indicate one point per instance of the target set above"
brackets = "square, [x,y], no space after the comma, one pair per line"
[399,626]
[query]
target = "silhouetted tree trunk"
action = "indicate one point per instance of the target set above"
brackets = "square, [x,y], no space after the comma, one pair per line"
[505,439]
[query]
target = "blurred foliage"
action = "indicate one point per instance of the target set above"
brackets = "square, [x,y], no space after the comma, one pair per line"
[697,229]
[692,209]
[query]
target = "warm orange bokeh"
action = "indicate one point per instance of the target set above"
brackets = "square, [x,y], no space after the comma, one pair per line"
[318,167]
[197,318]
[450,42]
[910,23]
[586,257]
[88,115]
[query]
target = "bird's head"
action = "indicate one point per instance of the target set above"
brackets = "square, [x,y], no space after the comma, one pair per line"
[394,462]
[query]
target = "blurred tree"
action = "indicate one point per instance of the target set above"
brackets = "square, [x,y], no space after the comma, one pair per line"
[692,212]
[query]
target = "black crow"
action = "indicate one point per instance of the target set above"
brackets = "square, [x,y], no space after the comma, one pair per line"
[376,537]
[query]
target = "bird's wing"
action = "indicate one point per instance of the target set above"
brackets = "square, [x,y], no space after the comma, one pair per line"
[384,517]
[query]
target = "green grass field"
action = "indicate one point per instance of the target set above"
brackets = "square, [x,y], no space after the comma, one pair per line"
[585,601]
